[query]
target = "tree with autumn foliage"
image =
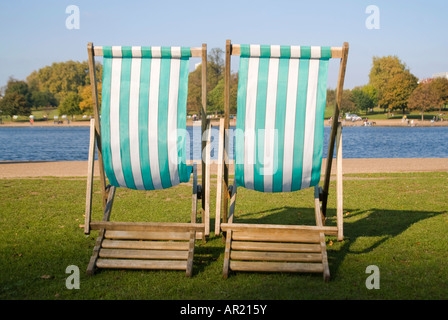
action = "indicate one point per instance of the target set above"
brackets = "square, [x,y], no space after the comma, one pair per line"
[425,98]
[398,90]
[440,85]
[392,81]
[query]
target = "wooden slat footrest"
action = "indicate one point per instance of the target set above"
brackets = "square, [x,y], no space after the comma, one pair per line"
[276,267]
[141,264]
[276,248]
[135,245]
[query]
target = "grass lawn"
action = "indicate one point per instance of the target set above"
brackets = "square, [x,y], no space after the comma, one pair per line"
[397,222]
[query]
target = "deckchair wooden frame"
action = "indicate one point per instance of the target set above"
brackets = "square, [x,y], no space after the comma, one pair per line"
[280,248]
[148,245]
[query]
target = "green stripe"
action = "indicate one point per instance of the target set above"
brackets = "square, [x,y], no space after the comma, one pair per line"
[241,119]
[245,50]
[285,51]
[280,113]
[319,124]
[305,52]
[125,83]
[143,114]
[299,130]
[146,53]
[166,52]
[325,53]
[260,120]
[162,133]
[126,52]
[185,52]
[105,119]
[184,171]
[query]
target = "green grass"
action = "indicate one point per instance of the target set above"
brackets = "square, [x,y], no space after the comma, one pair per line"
[397,222]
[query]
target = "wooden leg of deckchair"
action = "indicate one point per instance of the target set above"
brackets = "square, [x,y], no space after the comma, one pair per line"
[219,181]
[194,205]
[96,250]
[323,245]
[206,215]
[339,193]
[189,270]
[226,266]
[90,168]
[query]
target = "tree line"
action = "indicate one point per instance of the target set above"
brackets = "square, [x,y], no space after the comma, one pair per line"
[62,85]
[66,86]
[393,87]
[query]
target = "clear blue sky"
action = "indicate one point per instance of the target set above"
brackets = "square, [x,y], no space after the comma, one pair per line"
[34,33]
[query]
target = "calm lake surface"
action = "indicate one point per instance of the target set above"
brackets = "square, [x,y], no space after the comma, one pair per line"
[71,143]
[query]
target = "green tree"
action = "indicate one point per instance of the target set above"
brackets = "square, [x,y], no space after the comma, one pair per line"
[61,78]
[347,104]
[371,92]
[215,73]
[194,101]
[362,100]
[43,99]
[216,96]
[17,98]
[14,104]
[70,104]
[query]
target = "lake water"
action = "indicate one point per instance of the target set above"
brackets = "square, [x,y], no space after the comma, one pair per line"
[71,143]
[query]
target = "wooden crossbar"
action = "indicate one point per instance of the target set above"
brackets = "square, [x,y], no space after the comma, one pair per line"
[195,51]
[142,264]
[274,227]
[146,226]
[336,52]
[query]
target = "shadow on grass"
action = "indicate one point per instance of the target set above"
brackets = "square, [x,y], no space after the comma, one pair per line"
[379,225]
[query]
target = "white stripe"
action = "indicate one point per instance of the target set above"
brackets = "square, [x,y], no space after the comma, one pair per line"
[134,145]
[136,52]
[153,123]
[310,118]
[255,50]
[315,52]
[115,116]
[275,51]
[156,52]
[269,132]
[249,127]
[172,121]
[176,52]
[290,119]
[295,51]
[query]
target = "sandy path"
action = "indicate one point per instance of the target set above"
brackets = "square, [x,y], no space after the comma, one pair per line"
[79,168]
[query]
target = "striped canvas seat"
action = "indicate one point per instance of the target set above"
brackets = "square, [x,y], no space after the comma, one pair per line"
[278,148]
[280,120]
[143,116]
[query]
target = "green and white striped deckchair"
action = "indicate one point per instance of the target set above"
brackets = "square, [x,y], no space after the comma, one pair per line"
[141,141]
[278,148]
[280,121]
[143,116]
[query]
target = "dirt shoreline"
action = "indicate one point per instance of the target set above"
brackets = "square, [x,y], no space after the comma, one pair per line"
[11,169]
